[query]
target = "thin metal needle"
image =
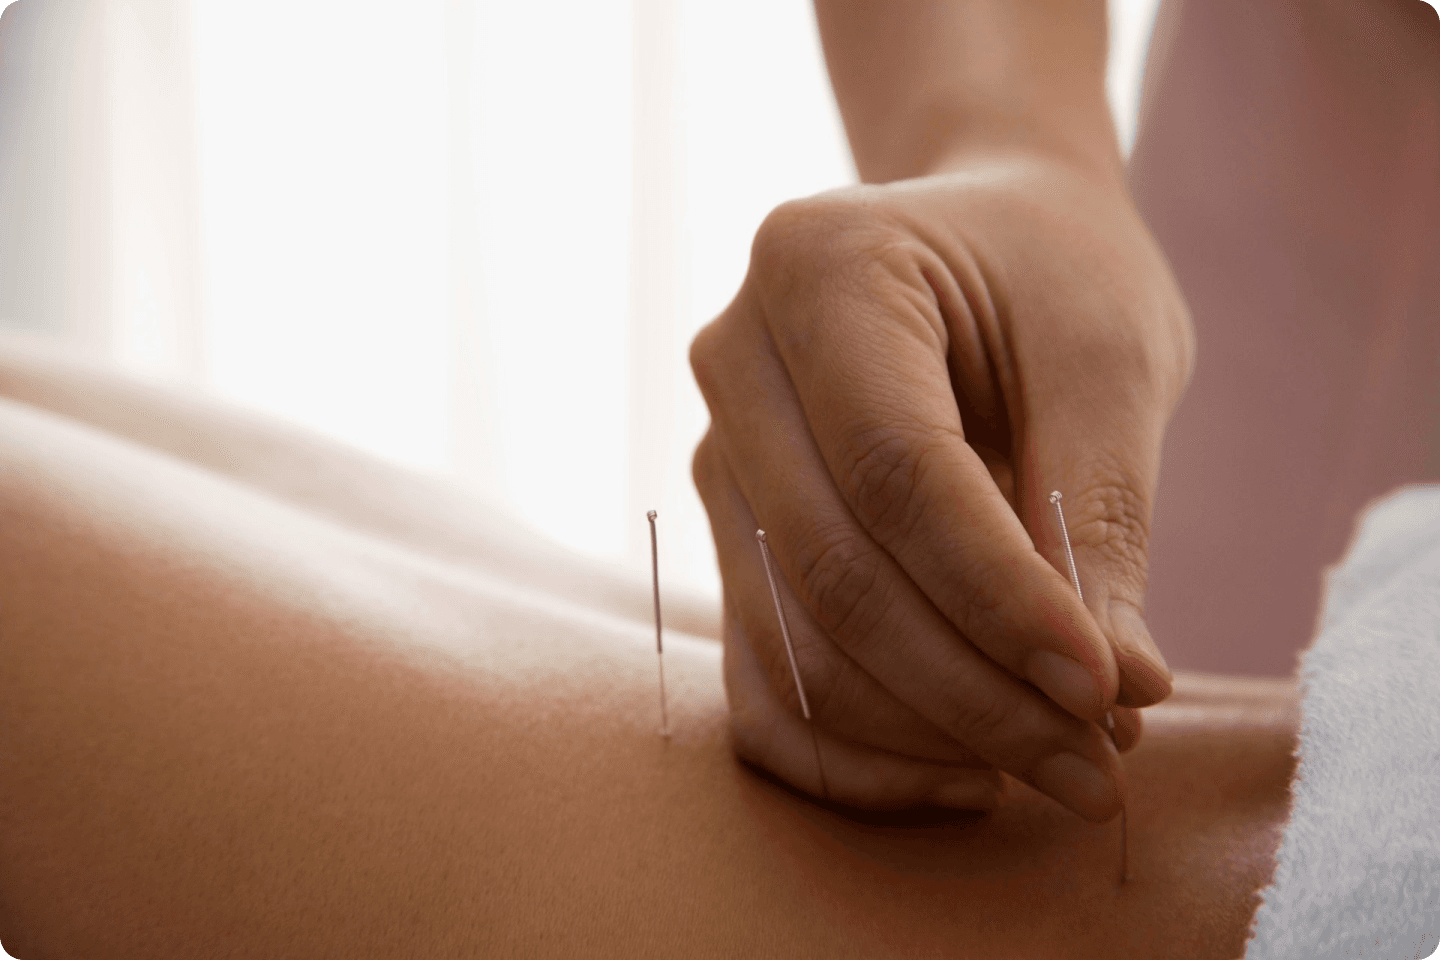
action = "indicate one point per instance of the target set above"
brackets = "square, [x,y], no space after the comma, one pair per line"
[1109,717]
[1065,535]
[794,668]
[659,644]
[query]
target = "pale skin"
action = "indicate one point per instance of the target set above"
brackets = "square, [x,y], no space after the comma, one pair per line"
[909,370]
[265,696]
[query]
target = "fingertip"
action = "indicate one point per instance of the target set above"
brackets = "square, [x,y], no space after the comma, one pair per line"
[1145,677]
[1141,685]
[1081,785]
[1128,728]
[1067,682]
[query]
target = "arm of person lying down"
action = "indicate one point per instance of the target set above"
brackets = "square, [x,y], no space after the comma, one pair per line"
[328,478]
[234,726]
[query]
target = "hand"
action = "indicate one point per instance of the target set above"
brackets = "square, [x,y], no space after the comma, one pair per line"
[906,374]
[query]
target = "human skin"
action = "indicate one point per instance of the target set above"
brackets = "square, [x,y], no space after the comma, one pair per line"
[908,371]
[236,723]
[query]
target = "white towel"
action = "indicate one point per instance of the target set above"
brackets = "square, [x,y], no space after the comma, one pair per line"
[1358,872]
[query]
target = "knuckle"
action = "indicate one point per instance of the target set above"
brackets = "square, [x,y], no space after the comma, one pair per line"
[703,469]
[841,247]
[812,240]
[1149,369]
[786,245]
[799,225]
[987,720]
[982,596]
[885,477]
[882,477]
[700,347]
[842,582]
[705,358]
[1114,524]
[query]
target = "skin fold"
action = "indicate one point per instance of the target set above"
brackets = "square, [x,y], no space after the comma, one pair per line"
[242,718]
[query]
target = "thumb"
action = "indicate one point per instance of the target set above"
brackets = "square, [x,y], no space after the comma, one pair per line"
[1105,470]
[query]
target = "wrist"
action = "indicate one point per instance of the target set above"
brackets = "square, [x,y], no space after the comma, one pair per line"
[1088,146]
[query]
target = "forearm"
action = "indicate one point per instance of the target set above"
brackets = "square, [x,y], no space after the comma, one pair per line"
[922,84]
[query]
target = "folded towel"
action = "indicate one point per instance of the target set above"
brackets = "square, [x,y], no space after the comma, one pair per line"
[1358,871]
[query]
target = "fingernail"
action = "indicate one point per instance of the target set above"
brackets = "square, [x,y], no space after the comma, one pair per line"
[1141,659]
[1066,682]
[966,795]
[1079,785]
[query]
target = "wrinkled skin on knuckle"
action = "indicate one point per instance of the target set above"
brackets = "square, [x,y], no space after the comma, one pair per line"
[983,596]
[897,263]
[842,269]
[806,246]
[788,248]
[1114,522]
[986,720]
[881,479]
[841,583]
[791,235]
[883,487]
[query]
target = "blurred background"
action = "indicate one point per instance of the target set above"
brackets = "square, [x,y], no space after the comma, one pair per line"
[474,238]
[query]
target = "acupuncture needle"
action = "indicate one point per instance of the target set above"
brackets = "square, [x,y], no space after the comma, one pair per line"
[794,667]
[1055,498]
[659,643]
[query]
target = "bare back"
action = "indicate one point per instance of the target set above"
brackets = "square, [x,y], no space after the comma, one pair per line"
[240,717]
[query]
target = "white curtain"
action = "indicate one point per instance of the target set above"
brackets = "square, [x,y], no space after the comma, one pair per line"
[473,237]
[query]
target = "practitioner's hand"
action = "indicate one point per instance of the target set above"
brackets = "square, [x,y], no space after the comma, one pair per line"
[906,374]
